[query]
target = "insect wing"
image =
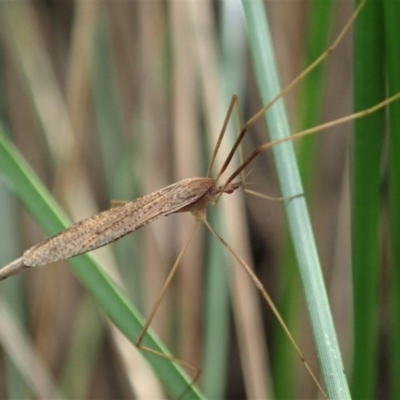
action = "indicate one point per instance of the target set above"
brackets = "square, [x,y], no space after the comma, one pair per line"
[106,227]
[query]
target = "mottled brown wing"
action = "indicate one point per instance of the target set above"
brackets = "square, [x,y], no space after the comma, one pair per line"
[110,225]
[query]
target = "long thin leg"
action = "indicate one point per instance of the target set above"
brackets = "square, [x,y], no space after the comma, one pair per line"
[234,100]
[267,298]
[241,158]
[322,57]
[236,106]
[157,304]
[310,131]
[264,196]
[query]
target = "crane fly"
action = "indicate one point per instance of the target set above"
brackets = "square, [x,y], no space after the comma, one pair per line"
[188,195]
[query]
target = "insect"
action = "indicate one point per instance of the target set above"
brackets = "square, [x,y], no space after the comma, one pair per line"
[191,194]
[38,254]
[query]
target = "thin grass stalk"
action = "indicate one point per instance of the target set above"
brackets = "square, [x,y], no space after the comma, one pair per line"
[369,89]
[310,271]
[310,102]
[392,58]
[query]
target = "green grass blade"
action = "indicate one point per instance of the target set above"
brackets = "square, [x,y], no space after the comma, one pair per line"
[310,108]
[392,33]
[369,89]
[304,244]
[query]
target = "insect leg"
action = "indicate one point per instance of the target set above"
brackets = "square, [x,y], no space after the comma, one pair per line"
[157,304]
[269,301]
[234,101]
